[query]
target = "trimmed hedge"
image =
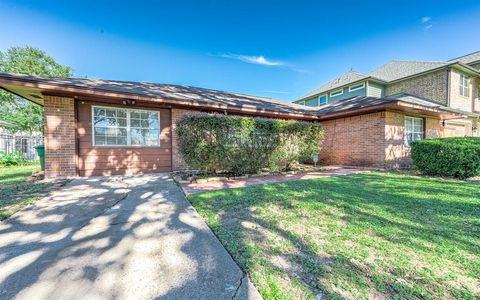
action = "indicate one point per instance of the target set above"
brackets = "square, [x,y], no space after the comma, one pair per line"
[243,145]
[451,157]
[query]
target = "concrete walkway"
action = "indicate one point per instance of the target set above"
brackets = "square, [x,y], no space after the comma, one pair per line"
[117,238]
[191,188]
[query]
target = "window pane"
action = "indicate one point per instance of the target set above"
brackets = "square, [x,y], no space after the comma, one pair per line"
[135,123]
[323,99]
[99,112]
[151,136]
[134,115]
[111,140]
[121,113]
[137,137]
[154,115]
[99,136]
[145,123]
[153,123]
[112,121]
[122,122]
[144,115]
[100,121]
[111,113]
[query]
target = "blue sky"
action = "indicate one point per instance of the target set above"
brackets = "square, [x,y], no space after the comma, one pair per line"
[278,49]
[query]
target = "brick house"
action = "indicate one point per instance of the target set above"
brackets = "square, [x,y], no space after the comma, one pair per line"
[105,127]
[453,86]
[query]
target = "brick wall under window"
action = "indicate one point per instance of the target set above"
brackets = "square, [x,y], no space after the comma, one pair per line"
[356,141]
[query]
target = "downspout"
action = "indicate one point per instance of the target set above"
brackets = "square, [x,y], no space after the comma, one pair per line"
[449,79]
[77,151]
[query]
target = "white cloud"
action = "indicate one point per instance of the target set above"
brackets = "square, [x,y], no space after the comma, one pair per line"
[426,19]
[259,60]
[428,26]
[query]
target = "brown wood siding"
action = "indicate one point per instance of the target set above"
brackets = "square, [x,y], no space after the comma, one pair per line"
[98,161]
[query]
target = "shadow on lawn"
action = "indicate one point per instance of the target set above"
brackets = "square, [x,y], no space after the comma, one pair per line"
[412,214]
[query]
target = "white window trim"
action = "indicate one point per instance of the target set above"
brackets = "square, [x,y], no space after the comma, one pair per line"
[326,97]
[464,89]
[356,87]
[128,110]
[333,92]
[414,132]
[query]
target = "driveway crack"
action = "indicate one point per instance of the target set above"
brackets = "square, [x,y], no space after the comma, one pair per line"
[240,283]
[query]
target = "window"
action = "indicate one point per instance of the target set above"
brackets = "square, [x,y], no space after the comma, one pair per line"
[322,99]
[311,102]
[414,130]
[336,93]
[125,127]
[356,87]
[464,85]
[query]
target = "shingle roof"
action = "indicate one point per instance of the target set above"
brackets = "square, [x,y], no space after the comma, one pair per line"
[360,102]
[171,92]
[467,59]
[399,69]
[349,77]
[392,71]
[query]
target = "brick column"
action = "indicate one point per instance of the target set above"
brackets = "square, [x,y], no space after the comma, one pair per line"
[59,132]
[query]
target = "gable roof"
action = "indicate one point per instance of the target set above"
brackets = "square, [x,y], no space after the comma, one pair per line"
[349,77]
[397,69]
[468,59]
[170,94]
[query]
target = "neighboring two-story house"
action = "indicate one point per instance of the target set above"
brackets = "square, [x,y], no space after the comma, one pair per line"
[453,84]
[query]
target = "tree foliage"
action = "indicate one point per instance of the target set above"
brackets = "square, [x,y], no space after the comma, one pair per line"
[244,145]
[23,114]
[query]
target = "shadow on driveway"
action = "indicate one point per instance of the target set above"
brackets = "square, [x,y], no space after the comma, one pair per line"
[116,237]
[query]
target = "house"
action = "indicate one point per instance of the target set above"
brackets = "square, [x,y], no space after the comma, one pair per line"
[107,127]
[454,84]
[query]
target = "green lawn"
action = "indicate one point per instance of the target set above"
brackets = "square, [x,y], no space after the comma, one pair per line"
[15,192]
[374,235]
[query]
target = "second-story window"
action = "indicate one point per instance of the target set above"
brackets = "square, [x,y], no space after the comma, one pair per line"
[336,93]
[322,100]
[464,85]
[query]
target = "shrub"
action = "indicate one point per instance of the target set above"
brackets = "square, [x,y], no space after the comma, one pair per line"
[450,157]
[11,159]
[244,145]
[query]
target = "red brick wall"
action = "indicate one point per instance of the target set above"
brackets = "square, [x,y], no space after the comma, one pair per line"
[356,141]
[60,154]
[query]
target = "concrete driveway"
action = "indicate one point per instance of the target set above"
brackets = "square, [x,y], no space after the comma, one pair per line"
[118,237]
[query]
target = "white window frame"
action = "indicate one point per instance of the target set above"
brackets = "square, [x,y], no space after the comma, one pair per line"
[129,140]
[464,85]
[326,99]
[413,129]
[336,93]
[356,87]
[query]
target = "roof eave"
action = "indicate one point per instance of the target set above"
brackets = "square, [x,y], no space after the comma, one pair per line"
[75,91]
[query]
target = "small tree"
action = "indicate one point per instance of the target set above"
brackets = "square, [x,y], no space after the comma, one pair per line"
[23,114]
[244,145]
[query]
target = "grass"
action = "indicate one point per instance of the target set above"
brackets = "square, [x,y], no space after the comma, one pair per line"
[373,235]
[15,191]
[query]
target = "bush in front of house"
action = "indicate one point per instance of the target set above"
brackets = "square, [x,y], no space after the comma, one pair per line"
[216,143]
[457,157]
